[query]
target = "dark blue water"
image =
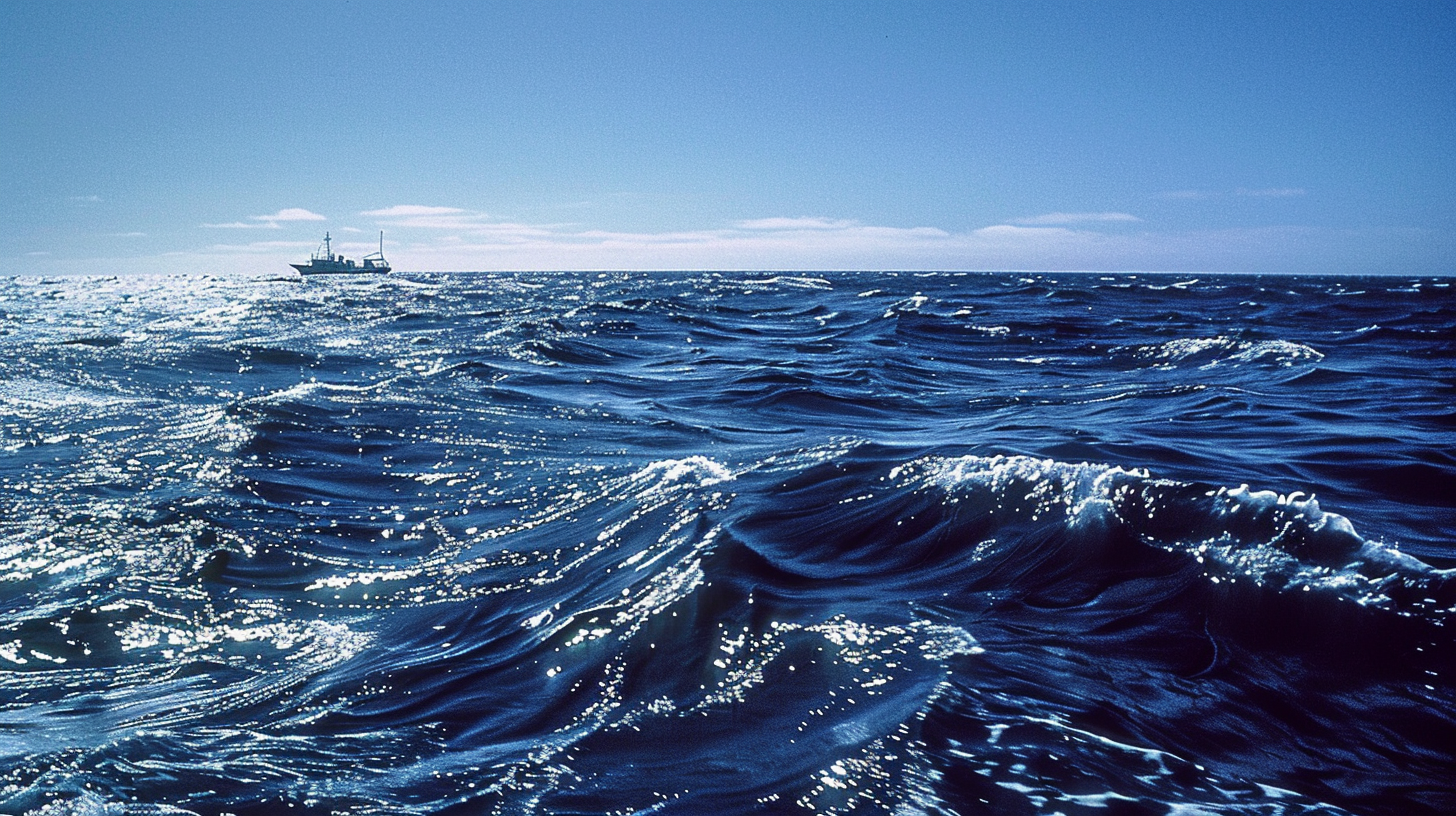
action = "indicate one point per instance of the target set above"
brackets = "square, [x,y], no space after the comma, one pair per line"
[697,543]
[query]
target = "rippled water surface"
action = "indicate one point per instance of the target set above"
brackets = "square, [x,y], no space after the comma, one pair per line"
[699,543]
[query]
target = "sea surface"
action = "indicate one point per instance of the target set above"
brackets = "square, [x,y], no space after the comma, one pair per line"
[705,543]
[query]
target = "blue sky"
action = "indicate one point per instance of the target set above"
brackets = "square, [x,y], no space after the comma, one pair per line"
[1218,136]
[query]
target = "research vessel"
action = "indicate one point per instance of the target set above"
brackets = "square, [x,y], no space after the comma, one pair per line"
[325,262]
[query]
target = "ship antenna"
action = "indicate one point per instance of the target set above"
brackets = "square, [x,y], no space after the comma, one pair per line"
[328,248]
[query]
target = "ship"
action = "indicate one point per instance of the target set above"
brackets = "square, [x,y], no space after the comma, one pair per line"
[325,262]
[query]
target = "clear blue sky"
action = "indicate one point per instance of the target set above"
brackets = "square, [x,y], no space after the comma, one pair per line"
[1208,136]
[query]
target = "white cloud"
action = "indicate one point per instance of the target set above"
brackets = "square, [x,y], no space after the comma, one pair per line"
[794,224]
[1015,233]
[768,243]
[263,246]
[424,217]
[407,210]
[291,214]
[474,242]
[87,199]
[271,221]
[1062,218]
[245,225]
[814,244]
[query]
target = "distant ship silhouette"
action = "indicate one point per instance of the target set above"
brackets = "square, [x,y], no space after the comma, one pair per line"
[327,263]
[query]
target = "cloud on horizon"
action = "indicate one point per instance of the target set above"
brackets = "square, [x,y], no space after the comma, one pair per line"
[443,239]
[262,246]
[425,217]
[271,221]
[811,244]
[787,243]
[291,214]
[795,224]
[406,210]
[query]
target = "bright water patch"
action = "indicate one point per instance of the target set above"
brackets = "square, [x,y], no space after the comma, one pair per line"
[711,543]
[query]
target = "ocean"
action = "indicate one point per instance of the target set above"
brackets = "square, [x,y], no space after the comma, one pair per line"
[695,543]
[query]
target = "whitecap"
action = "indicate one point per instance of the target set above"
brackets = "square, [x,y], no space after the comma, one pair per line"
[694,471]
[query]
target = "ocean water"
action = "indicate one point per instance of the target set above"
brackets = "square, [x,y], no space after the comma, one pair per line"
[724,543]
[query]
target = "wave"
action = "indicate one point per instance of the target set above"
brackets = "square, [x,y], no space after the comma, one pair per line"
[1208,352]
[701,542]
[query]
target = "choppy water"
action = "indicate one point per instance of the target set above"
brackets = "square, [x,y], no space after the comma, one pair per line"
[695,543]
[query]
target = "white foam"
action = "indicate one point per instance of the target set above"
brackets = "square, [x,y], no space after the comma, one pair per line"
[1224,350]
[697,471]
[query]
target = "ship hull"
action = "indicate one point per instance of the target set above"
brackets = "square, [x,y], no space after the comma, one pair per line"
[332,269]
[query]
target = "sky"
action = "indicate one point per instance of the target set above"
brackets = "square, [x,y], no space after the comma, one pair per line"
[221,137]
